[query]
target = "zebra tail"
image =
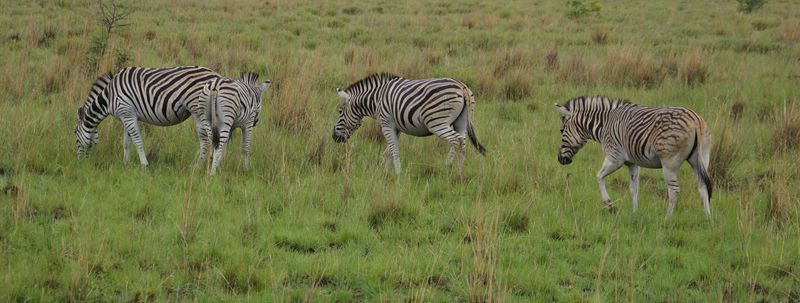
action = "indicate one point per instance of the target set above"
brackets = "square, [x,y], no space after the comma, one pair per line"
[700,148]
[213,108]
[470,130]
[474,140]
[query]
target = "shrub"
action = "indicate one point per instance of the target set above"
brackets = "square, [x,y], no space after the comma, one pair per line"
[748,6]
[579,8]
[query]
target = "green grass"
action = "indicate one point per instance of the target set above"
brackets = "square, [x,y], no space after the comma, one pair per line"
[320,221]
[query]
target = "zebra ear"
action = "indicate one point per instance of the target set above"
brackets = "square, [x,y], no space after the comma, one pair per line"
[343,95]
[563,111]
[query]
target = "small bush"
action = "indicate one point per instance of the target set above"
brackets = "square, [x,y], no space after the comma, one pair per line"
[122,58]
[150,35]
[579,8]
[748,6]
[786,130]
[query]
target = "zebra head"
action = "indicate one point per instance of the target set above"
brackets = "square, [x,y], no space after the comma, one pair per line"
[251,80]
[86,133]
[91,113]
[572,136]
[348,121]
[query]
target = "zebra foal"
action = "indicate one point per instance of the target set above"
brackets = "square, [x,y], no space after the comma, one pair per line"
[159,96]
[232,104]
[440,106]
[634,136]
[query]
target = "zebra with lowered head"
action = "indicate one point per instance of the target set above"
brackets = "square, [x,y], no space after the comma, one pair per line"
[440,106]
[159,96]
[231,104]
[633,135]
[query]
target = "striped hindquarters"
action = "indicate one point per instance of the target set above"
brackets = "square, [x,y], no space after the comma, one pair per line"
[160,96]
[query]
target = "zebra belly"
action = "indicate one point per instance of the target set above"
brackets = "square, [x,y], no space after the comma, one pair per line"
[173,118]
[417,131]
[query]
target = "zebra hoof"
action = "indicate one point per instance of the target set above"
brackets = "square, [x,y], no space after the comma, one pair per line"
[612,209]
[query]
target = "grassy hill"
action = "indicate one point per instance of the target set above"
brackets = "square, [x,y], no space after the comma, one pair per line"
[318,221]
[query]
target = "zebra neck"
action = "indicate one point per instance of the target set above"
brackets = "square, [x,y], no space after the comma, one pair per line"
[95,113]
[367,104]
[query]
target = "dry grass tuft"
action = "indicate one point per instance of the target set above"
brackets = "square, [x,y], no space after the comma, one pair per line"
[517,85]
[633,67]
[600,36]
[578,72]
[54,77]
[786,130]
[789,32]
[781,204]
[551,57]
[723,155]
[150,35]
[387,212]
[694,70]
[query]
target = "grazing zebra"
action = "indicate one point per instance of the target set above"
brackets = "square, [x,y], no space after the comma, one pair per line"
[633,135]
[159,96]
[440,106]
[232,104]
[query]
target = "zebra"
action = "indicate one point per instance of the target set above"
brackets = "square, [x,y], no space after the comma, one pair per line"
[159,96]
[634,136]
[440,106]
[232,104]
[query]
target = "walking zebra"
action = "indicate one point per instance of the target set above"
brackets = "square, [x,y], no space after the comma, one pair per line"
[440,106]
[159,96]
[232,104]
[633,135]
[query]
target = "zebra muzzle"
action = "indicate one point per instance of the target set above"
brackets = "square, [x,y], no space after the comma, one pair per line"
[564,160]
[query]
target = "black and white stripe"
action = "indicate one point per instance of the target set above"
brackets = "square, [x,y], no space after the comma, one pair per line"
[233,104]
[159,96]
[440,106]
[633,135]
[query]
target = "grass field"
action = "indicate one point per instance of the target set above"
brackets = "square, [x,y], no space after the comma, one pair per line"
[317,221]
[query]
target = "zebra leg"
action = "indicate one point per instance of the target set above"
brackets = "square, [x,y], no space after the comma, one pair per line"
[671,177]
[202,128]
[391,136]
[457,143]
[126,146]
[634,170]
[131,125]
[609,166]
[219,152]
[246,133]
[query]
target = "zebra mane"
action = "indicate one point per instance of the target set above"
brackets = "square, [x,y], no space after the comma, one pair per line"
[98,86]
[250,78]
[593,103]
[378,77]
